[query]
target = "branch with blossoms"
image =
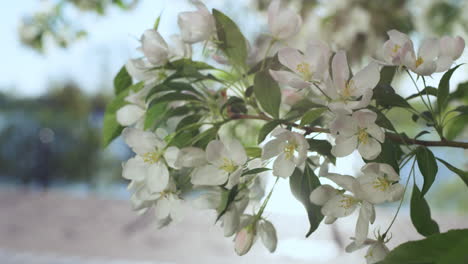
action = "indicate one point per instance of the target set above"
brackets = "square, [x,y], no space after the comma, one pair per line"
[175,114]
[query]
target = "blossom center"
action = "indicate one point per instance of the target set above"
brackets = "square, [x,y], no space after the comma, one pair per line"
[347,202]
[381,184]
[396,48]
[151,157]
[289,150]
[348,89]
[228,166]
[304,68]
[363,137]
[419,61]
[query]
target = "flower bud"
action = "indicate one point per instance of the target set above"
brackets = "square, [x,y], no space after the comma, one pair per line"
[376,252]
[244,240]
[267,233]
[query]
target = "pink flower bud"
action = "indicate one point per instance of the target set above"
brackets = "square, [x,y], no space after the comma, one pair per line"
[244,240]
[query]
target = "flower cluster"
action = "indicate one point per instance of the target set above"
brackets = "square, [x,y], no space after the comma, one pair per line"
[192,162]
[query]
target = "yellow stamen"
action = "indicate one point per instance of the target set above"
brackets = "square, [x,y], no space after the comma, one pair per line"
[228,165]
[419,61]
[347,202]
[304,68]
[349,88]
[151,157]
[289,150]
[381,184]
[363,137]
[396,48]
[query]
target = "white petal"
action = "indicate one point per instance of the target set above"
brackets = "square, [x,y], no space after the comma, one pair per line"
[365,118]
[376,132]
[129,114]
[322,194]
[362,225]
[443,63]
[234,178]
[452,47]
[267,233]
[366,79]
[429,49]
[140,141]
[209,175]
[340,69]
[231,221]
[170,155]
[330,220]
[426,69]
[370,149]
[376,253]
[344,146]
[339,206]
[134,169]
[154,47]
[235,151]
[191,157]
[286,23]
[162,208]
[290,58]
[272,148]
[158,177]
[214,152]
[283,167]
[289,78]
[177,209]
[195,26]
[346,182]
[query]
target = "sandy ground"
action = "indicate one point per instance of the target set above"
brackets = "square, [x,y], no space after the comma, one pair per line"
[56,228]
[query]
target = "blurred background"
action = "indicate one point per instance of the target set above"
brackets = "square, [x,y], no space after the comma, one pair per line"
[62,199]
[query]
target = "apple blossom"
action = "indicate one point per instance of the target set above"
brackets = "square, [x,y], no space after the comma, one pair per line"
[424,62]
[225,163]
[350,93]
[133,113]
[306,68]
[283,22]
[267,233]
[376,252]
[196,26]
[450,49]
[379,183]
[393,52]
[290,150]
[357,131]
[149,165]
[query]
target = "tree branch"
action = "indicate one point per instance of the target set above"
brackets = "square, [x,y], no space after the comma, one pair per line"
[401,139]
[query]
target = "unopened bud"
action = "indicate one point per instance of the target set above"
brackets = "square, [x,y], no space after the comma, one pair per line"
[244,240]
[267,233]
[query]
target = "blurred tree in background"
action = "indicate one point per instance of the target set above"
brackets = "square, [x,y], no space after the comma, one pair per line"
[55,137]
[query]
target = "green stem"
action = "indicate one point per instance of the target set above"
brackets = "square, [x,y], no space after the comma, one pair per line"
[265,202]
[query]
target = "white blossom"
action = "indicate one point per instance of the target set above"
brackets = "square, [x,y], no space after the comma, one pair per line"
[306,68]
[347,93]
[196,26]
[376,252]
[379,183]
[357,131]
[149,164]
[225,163]
[290,150]
[450,50]
[283,22]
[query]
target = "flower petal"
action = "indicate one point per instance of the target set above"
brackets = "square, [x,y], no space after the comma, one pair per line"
[154,47]
[290,58]
[365,79]
[340,70]
[209,175]
[283,167]
[158,177]
[429,49]
[129,114]
[140,141]
[134,169]
[289,78]
[272,148]
[162,208]
[267,233]
[322,194]
[369,150]
[214,152]
[344,146]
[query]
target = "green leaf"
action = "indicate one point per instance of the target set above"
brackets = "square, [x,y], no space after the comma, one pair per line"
[428,166]
[253,152]
[268,93]
[170,97]
[443,90]
[421,214]
[156,23]
[111,128]
[382,120]
[154,115]
[444,248]
[456,126]
[232,42]
[461,93]
[122,80]
[386,75]
[322,147]
[270,63]
[171,86]
[227,197]
[429,90]
[385,96]
[266,129]
[255,171]
[463,174]
[302,184]
[202,139]
[312,115]
[188,120]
